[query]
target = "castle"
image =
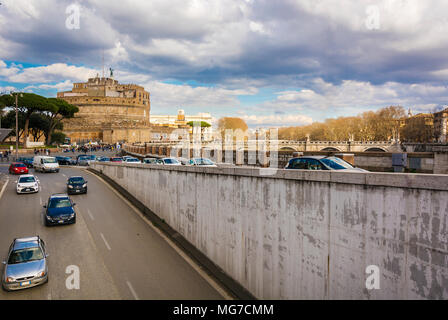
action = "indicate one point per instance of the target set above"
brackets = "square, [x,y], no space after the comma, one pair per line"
[108,111]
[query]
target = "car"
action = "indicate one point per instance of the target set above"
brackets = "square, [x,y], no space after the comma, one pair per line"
[18,168]
[26,264]
[202,162]
[27,183]
[125,157]
[83,161]
[169,162]
[59,210]
[132,160]
[64,160]
[45,164]
[28,161]
[321,163]
[116,159]
[150,160]
[103,159]
[76,185]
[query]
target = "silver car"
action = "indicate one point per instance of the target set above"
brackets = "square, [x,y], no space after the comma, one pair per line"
[26,265]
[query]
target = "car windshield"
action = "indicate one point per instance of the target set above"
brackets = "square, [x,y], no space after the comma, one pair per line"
[76,180]
[19,165]
[116,159]
[25,255]
[27,179]
[171,161]
[91,157]
[336,163]
[60,203]
[203,161]
[104,159]
[83,158]
[132,160]
[49,160]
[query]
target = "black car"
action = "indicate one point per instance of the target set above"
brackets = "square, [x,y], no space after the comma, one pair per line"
[76,185]
[59,210]
[64,160]
[28,161]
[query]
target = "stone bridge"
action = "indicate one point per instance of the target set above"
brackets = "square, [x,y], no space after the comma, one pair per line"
[290,145]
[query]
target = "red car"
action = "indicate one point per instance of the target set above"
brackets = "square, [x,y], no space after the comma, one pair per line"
[18,168]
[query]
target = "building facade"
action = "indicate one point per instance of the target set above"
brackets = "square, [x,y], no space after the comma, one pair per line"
[440,126]
[109,112]
[180,121]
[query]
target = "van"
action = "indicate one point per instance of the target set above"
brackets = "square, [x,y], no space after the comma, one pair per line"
[45,164]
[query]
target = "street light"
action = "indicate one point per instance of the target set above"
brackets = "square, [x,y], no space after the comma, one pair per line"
[16,94]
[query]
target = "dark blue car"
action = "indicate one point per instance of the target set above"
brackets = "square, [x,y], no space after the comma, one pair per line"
[76,184]
[59,210]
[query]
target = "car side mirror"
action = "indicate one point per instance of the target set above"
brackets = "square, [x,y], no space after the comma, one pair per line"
[3,262]
[44,205]
[47,255]
[74,204]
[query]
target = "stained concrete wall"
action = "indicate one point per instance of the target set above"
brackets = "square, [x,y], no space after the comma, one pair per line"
[306,234]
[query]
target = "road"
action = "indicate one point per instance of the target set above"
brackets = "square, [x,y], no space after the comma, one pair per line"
[119,255]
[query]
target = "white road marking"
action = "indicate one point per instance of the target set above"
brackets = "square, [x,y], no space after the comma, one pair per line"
[64,175]
[4,187]
[90,214]
[180,251]
[105,242]
[132,290]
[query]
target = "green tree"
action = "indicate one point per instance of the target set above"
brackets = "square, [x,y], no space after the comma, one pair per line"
[58,137]
[27,103]
[60,110]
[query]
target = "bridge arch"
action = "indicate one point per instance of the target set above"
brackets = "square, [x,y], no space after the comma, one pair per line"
[288,149]
[330,149]
[375,149]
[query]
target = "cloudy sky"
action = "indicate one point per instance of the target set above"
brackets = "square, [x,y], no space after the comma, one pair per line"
[273,63]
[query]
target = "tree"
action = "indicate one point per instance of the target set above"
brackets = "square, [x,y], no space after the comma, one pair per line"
[61,110]
[27,104]
[203,124]
[58,137]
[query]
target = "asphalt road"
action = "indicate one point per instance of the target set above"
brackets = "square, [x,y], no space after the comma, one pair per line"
[119,255]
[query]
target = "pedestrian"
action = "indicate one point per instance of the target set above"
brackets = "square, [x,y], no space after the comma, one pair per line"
[1,156]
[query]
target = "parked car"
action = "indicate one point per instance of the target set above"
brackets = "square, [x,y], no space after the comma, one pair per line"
[150,160]
[103,159]
[45,164]
[86,160]
[132,160]
[321,163]
[28,161]
[169,162]
[26,264]
[27,183]
[64,160]
[116,159]
[59,210]
[18,168]
[203,162]
[76,185]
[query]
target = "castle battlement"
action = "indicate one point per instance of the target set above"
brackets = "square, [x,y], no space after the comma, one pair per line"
[102,103]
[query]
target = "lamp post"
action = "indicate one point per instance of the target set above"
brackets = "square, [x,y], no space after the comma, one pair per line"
[16,94]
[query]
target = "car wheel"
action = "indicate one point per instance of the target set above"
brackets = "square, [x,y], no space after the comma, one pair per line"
[4,288]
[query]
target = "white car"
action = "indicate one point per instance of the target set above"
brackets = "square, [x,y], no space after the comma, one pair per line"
[202,162]
[27,183]
[169,162]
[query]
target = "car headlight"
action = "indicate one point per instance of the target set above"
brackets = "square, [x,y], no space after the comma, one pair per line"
[70,186]
[35,184]
[41,274]
[19,186]
[72,215]
[49,218]
[9,279]
[84,185]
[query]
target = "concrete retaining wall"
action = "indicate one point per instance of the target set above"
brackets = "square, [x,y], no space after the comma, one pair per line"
[306,234]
